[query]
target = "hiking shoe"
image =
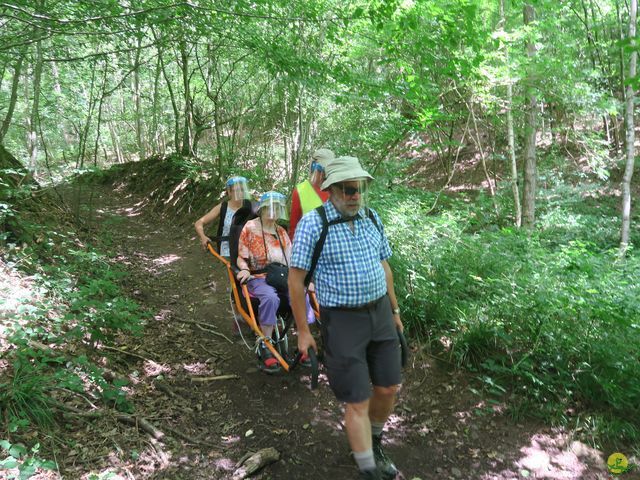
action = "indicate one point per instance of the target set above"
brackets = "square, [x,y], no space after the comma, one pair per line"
[268,363]
[305,361]
[370,474]
[384,463]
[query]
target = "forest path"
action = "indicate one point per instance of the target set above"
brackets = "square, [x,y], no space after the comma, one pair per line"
[439,430]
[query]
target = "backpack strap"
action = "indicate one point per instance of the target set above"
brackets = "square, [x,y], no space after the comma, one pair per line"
[244,210]
[241,217]
[317,250]
[373,219]
[223,213]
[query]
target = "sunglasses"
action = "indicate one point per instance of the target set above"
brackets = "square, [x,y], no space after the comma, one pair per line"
[349,190]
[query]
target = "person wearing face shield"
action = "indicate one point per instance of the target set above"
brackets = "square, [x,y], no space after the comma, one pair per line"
[237,196]
[359,313]
[262,244]
[308,194]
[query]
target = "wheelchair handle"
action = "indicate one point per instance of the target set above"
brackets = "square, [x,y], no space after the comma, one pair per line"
[315,367]
[404,349]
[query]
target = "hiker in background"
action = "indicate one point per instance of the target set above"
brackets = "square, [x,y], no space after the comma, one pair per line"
[359,313]
[262,243]
[308,194]
[238,196]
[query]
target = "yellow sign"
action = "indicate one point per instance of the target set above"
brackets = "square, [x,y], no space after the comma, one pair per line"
[617,463]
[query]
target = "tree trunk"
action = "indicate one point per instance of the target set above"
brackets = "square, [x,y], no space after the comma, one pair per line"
[483,160]
[618,132]
[84,132]
[58,89]
[32,133]
[300,140]
[138,103]
[511,138]
[114,140]
[630,125]
[154,134]
[187,149]
[103,94]
[174,105]
[4,128]
[530,174]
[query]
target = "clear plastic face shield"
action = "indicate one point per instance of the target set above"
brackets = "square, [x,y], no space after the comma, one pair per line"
[316,175]
[273,206]
[237,189]
[349,196]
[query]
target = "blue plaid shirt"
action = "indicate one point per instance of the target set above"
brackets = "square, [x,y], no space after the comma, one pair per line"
[349,272]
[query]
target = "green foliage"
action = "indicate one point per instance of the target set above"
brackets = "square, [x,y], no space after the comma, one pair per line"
[552,317]
[73,297]
[25,461]
[24,397]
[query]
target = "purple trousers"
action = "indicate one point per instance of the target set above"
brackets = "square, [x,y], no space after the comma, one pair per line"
[270,301]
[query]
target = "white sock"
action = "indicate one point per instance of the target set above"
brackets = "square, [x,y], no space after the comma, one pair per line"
[267,330]
[365,460]
[376,428]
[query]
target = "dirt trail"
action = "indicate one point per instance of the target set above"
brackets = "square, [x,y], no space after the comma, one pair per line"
[440,429]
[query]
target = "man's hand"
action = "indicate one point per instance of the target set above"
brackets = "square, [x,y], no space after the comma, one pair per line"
[398,322]
[299,309]
[306,340]
[243,276]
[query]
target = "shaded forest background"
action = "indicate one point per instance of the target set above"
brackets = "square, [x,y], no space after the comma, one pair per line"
[501,134]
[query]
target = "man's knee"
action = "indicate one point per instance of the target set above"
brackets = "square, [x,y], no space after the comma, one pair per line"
[390,391]
[358,409]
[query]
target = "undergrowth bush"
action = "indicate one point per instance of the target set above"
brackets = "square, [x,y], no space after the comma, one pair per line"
[552,317]
[72,297]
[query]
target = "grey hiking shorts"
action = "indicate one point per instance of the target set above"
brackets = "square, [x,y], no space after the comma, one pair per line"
[361,348]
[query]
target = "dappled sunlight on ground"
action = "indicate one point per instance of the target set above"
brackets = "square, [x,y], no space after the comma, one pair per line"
[225,464]
[181,186]
[548,456]
[153,369]
[230,439]
[166,259]
[198,368]
[163,315]
[326,415]
[156,266]
[15,292]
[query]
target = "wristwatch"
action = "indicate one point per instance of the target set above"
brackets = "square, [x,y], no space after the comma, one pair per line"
[395,311]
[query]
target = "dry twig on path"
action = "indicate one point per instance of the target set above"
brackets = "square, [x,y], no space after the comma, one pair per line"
[165,388]
[211,379]
[125,352]
[207,328]
[133,420]
[255,462]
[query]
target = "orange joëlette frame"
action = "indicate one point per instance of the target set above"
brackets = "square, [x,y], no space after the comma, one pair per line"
[249,316]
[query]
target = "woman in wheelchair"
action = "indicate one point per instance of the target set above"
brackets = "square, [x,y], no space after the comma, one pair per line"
[264,252]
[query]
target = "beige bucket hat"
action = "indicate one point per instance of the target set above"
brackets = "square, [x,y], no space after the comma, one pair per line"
[323,156]
[344,168]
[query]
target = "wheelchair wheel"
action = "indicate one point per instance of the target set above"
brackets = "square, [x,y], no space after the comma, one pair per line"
[281,337]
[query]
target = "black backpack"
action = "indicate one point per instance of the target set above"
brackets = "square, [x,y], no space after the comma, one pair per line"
[242,212]
[317,250]
[242,216]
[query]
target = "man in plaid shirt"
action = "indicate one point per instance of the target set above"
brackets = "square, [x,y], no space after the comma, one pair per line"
[359,311]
